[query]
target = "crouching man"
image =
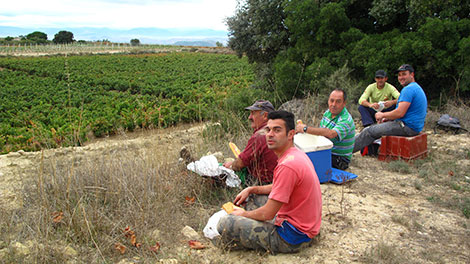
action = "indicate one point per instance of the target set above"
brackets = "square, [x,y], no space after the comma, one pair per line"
[291,216]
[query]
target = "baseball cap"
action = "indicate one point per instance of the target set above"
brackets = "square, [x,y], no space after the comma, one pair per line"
[381,74]
[405,67]
[261,105]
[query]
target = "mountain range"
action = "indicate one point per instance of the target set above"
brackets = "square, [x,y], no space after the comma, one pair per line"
[166,36]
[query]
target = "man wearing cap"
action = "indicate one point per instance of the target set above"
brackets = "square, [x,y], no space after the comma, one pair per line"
[379,92]
[408,117]
[259,160]
[338,126]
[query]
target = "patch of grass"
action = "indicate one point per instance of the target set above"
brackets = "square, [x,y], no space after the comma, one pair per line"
[384,253]
[455,186]
[98,196]
[399,166]
[401,220]
[465,206]
[418,186]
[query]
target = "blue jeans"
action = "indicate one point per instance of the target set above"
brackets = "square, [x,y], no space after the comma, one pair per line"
[391,128]
[368,114]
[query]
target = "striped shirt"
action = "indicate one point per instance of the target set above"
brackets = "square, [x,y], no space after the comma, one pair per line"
[343,124]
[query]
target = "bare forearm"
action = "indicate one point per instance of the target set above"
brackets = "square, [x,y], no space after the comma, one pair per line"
[263,189]
[238,165]
[321,131]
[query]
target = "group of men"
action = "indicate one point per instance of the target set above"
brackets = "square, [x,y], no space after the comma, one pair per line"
[284,195]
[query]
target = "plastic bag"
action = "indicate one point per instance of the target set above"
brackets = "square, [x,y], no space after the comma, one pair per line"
[209,166]
[210,230]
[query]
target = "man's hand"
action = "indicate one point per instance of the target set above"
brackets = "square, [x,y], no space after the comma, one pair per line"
[300,128]
[241,197]
[380,117]
[237,211]
[375,106]
[228,164]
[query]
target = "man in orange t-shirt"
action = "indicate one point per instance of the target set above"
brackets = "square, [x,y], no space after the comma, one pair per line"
[293,207]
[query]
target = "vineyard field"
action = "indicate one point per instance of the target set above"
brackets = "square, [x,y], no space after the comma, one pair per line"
[57,100]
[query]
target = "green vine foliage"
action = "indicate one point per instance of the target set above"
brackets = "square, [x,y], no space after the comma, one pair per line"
[63,100]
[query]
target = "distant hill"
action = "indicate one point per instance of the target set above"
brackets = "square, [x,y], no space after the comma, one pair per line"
[188,37]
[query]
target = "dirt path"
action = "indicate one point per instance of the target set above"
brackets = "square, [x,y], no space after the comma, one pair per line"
[381,210]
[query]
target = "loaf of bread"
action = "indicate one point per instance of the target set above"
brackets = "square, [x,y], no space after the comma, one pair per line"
[229,207]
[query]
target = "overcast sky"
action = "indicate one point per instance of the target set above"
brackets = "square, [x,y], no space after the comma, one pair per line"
[118,14]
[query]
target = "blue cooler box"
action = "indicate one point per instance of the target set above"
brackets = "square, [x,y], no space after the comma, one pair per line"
[318,149]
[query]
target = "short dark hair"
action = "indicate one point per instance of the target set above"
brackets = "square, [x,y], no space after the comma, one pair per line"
[341,90]
[288,118]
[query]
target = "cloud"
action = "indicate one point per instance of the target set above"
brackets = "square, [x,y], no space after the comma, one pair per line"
[123,14]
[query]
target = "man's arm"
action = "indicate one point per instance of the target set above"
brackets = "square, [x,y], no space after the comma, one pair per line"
[399,112]
[235,165]
[241,197]
[320,131]
[265,212]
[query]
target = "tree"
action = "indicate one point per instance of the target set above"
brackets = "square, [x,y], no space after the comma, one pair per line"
[63,37]
[135,42]
[219,44]
[257,30]
[9,38]
[37,36]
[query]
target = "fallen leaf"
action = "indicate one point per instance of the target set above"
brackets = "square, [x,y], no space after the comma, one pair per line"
[451,173]
[120,247]
[194,244]
[133,240]
[189,200]
[138,245]
[155,248]
[57,217]
[128,233]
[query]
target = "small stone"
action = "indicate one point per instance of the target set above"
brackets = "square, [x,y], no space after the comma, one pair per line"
[20,249]
[189,232]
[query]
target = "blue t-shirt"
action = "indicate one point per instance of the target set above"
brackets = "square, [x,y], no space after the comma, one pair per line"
[414,117]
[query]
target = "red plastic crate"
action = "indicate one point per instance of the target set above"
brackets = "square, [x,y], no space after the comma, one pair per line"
[405,148]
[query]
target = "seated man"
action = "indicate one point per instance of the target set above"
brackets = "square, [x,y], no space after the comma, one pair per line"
[408,117]
[257,157]
[380,91]
[294,200]
[337,125]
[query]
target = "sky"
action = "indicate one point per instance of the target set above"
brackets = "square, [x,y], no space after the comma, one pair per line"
[117,14]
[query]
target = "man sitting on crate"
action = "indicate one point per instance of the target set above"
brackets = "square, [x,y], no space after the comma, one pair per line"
[337,125]
[259,160]
[287,213]
[406,120]
[379,92]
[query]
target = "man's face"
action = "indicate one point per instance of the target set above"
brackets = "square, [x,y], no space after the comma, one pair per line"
[405,77]
[277,137]
[336,102]
[381,81]
[257,118]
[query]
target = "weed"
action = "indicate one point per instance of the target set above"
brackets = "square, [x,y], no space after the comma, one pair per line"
[455,186]
[399,219]
[418,186]
[399,166]
[383,253]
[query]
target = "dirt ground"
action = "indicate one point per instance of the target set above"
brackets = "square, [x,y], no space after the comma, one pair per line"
[379,210]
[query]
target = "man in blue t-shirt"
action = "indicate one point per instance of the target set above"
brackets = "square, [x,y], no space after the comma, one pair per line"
[406,120]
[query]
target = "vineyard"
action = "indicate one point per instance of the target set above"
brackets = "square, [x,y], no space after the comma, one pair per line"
[60,100]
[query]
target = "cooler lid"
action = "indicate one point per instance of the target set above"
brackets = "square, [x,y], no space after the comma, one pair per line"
[308,143]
